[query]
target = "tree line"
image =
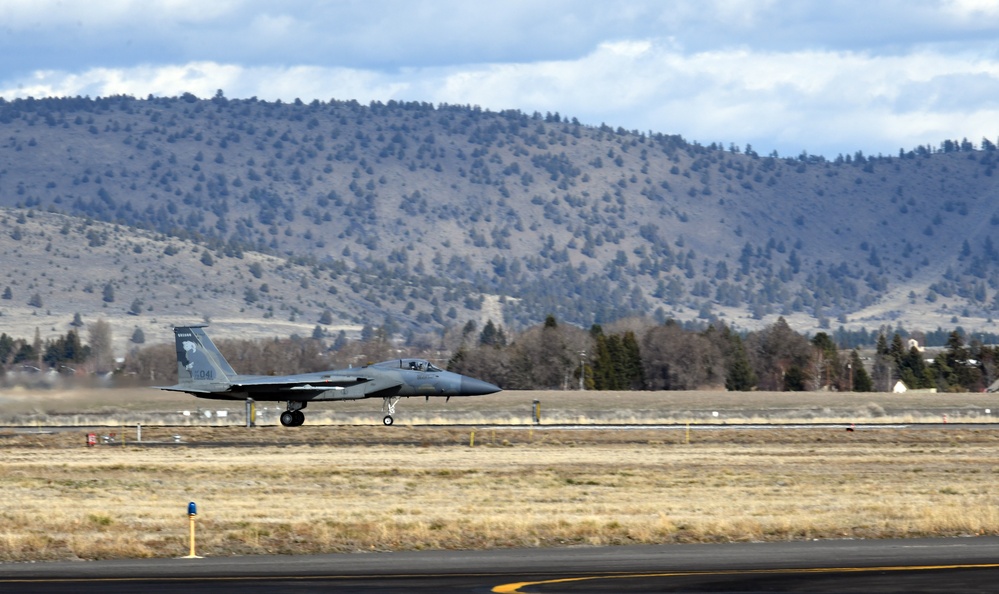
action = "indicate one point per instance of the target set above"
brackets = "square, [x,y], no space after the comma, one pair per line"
[66,354]
[632,354]
[640,355]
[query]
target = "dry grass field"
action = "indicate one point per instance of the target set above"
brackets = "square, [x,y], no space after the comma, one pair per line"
[353,487]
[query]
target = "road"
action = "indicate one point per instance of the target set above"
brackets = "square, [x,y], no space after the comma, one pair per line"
[917,565]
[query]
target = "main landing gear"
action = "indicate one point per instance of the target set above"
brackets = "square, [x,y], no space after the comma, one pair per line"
[293,417]
[388,404]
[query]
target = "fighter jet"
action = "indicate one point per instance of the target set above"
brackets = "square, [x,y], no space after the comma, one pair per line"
[203,372]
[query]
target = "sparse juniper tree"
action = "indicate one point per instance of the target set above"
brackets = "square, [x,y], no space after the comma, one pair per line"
[138,336]
[8,294]
[108,294]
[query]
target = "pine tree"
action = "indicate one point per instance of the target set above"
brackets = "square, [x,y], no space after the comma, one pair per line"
[861,379]
[492,336]
[602,363]
[740,376]
[634,375]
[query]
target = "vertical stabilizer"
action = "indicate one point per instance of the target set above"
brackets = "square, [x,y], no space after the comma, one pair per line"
[198,359]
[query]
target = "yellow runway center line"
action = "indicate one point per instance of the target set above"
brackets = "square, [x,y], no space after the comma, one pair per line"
[514,588]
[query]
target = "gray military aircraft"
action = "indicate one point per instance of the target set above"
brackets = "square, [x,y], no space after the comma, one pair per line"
[204,372]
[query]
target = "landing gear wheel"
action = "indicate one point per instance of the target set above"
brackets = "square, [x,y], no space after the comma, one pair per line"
[293,417]
[387,420]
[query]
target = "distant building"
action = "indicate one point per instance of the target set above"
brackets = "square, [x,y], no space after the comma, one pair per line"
[900,387]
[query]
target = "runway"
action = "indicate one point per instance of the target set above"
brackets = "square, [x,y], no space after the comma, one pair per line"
[916,565]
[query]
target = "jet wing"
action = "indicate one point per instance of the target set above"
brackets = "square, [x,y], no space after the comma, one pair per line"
[190,389]
[306,386]
[294,382]
[309,386]
[272,382]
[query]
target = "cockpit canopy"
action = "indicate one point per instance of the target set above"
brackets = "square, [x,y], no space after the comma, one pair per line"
[410,364]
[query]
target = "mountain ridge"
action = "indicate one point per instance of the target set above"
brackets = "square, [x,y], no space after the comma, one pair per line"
[413,216]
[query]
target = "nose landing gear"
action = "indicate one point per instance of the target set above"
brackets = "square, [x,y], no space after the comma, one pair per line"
[388,404]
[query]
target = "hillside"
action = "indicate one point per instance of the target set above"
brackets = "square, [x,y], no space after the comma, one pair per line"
[419,217]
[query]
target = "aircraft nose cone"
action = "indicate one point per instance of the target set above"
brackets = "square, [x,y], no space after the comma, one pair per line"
[473,387]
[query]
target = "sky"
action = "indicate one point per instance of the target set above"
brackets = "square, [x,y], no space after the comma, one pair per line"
[792,76]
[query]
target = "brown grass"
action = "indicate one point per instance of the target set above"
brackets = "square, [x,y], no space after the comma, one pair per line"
[326,489]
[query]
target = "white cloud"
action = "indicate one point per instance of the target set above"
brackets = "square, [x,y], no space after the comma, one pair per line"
[826,77]
[95,17]
[971,9]
[822,102]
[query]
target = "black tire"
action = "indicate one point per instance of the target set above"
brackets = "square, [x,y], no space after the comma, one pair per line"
[387,421]
[299,418]
[288,418]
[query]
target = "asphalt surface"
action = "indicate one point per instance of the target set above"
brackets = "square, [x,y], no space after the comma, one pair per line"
[916,565]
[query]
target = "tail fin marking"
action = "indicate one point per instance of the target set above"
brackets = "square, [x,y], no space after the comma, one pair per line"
[198,359]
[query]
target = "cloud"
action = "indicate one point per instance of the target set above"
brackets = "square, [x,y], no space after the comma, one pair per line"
[972,9]
[99,17]
[820,101]
[785,75]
